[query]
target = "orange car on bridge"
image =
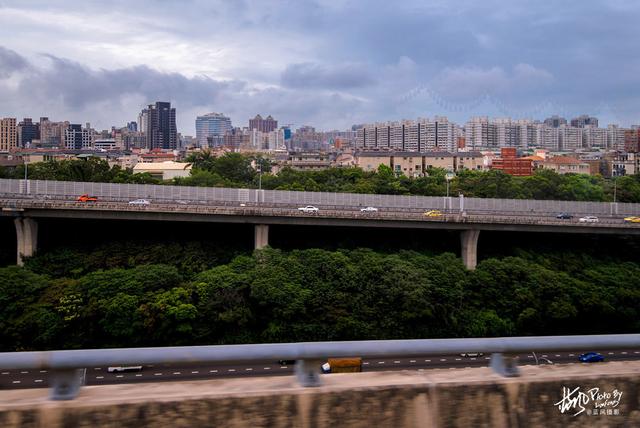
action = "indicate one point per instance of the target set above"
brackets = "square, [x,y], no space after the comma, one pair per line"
[87,198]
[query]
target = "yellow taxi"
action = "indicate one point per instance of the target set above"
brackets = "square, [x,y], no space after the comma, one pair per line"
[632,219]
[433,213]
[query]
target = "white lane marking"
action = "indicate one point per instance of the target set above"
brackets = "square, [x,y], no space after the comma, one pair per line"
[231,370]
[97,368]
[473,358]
[248,369]
[487,358]
[452,368]
[5,372]
[457,359]
[420,370]
[284,367]
[119,375]
[557,355]
[544,355]
[38,380]
[266,368]
[571,355]
[365,364]
[636,352]
[43,371]
[99,377]
[213,371]
[529,356]
[611,353]
[25,372]
[427,361]
[157,374]
[138,375]
[412,361]
[624,352]
[195,372]
[16,381]
[177,373]
[396,362]
[380,362]
[443,359]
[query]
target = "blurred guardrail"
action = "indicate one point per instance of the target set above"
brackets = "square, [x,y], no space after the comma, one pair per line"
[189,193]
[66,367]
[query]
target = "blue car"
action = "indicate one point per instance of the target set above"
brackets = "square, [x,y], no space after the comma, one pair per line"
[591,357]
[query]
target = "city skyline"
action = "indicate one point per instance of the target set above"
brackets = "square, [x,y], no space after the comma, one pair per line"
[325,64]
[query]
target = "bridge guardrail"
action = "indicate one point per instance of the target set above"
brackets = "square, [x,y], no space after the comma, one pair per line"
[65,366]
[147,191]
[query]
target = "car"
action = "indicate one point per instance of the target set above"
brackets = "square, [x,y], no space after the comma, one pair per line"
[564,216]
[181,202]
[140,202]
[433,213]
[369,210]
[632,219]
[591,357]
[87,198]
[472,354]
[118,369]
[589,219]
[243,205]
[309,209]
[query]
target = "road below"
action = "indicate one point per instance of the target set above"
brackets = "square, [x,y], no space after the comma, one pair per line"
[18,379]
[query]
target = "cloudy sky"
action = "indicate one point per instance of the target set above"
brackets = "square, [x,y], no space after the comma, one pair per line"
[326,63]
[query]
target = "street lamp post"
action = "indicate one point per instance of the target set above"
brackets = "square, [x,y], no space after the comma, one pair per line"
[449,176]
[25,174]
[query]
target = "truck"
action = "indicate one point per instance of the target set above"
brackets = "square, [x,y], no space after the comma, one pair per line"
[342,365]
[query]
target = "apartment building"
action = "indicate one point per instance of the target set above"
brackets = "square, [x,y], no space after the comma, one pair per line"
[8,134]
[416,164]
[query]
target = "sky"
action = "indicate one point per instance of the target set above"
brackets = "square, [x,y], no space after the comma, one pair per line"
[324,63]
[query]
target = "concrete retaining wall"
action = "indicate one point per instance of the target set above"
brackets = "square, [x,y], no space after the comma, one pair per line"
[434,398]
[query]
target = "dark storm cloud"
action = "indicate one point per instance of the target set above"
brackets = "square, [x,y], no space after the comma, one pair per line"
[360,58]
[10,62]
[76,85]
[311,75]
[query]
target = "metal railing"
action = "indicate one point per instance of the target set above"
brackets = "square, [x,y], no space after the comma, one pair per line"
[168,192]
[65,367]
[226,208]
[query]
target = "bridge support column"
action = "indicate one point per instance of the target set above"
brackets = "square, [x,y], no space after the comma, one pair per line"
[27,234]
[469,248]
[261,236]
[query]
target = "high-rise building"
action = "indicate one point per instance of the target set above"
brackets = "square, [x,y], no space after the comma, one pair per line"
[52,133]
[132,126]
[161,130]
[263,125]
[480,133]
[77,138]
[27,132]
[408,135]
[584,120]
[555,121]
[593,137]
[211,125]
[8,134]
[569,138]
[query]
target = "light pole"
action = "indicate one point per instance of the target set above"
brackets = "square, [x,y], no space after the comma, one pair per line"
[25,174]
[449,176]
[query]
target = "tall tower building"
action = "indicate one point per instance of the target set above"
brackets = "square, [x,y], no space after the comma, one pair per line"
[555,121]
[212,125]
[263,125]
[27,132]
[8,134]
[161,130]
[584,120]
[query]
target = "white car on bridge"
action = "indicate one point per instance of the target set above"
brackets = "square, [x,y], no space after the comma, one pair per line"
[309,209]
[369,210]
[140,202]
[589,219]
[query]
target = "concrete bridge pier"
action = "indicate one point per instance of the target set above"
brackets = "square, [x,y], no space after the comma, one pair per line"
[469,247]
[27,234]
[261,236]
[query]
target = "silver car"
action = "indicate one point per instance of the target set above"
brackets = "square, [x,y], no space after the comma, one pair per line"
[140,202]
[589,219]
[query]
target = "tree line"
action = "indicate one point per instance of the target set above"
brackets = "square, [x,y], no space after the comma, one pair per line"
[241,171]
[65,299]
